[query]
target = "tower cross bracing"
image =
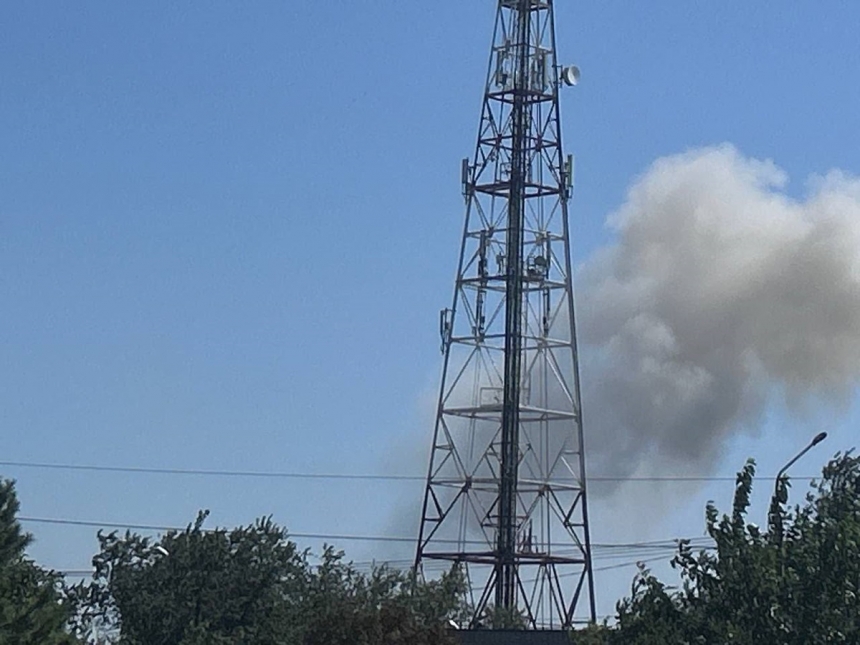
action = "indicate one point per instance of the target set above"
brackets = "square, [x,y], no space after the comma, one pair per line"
[506,487]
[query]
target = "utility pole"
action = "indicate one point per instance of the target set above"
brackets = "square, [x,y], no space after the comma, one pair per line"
[506,487]
[775,501]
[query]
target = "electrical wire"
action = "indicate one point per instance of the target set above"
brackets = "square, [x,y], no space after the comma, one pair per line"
[160,527]
[599,551]
[443,566]
[629,564]
[328,476]
[616,549]
[209,473]
[643,552]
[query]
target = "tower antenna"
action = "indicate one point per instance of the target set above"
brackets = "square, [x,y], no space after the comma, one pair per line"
[506,487]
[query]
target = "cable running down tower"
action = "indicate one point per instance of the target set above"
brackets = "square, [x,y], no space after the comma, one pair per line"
[505,492]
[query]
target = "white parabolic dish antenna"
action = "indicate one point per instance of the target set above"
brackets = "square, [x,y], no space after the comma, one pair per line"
[570,75]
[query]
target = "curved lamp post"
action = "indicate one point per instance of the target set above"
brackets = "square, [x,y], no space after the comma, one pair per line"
[774,504]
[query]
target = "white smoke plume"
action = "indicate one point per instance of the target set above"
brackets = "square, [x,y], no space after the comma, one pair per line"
[719,292]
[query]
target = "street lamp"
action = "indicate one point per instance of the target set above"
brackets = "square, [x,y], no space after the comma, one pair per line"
[774,503]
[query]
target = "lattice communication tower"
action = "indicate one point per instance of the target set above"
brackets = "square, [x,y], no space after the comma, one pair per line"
[506,488]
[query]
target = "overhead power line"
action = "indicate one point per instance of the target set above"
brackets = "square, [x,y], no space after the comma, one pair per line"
[408,563]
[160,527]
[621,565]
[328,476]
[208,473]
[615,548]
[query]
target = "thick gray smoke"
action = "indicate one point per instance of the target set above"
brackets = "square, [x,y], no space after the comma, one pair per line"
[719,292]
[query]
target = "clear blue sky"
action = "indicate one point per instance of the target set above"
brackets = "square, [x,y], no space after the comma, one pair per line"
[226,230]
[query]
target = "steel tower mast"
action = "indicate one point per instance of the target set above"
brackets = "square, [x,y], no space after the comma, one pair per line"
[505,492]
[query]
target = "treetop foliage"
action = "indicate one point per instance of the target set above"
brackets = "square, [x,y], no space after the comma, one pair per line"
[795,583]
[253,585]
[31,605]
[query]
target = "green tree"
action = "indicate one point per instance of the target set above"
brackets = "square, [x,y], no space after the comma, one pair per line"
[795,583]
[346,607]
[252,585]
[32,610]
[192,586]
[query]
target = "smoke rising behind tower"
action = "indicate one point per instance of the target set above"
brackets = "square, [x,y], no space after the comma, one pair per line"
[720,292]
